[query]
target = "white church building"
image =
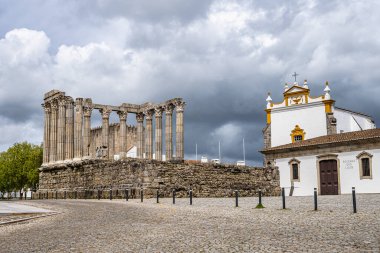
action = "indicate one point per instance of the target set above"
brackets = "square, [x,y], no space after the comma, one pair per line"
[315,144]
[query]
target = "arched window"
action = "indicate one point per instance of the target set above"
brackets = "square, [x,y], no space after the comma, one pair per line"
[294,165]
[365,165]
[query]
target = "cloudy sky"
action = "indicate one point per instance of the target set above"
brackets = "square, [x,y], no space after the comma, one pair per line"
[222,57]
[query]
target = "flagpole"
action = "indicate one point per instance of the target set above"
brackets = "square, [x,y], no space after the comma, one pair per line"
[244,150]
[196,151]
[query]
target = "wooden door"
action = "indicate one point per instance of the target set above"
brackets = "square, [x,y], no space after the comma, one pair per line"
[328,175]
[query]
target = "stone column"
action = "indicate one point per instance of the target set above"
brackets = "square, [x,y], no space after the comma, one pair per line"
[61,130]
[149,134]
[53,132]
[140,134]
[78,124]
[123,133]
[169,131]
[69,145]
[158,138]
[87,110]
[105,131]
[179,130]
[47,111]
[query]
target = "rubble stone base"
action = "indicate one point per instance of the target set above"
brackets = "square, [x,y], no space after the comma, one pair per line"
[88,178]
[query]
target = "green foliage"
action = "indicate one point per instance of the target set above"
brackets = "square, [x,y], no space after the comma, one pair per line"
[19,167]
[260,206]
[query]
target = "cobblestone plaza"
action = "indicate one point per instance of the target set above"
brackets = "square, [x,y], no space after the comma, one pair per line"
[209,225]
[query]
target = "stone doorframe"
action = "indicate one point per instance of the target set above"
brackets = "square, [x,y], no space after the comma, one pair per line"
[323,158]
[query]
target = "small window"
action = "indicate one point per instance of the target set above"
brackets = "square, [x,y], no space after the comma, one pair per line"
[298,138]
[295,171]
[365,167]
[294,166]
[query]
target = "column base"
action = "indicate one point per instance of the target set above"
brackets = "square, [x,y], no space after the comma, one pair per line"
[76,159]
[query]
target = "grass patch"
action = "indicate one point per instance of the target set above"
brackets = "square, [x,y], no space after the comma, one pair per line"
[260,206]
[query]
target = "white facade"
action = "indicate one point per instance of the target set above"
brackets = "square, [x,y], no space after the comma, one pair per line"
[348,121]
[300,117]
[310,113]
[348,174]
[311,118]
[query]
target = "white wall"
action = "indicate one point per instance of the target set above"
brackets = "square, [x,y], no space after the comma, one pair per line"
[348,171]
[311,118]
[307,174]
[346,122]
[350,174]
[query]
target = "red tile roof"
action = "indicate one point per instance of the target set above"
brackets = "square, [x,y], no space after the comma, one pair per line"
[329,139]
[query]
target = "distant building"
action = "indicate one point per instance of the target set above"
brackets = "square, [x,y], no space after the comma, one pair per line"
[204,159]
[318,145]
[240,163]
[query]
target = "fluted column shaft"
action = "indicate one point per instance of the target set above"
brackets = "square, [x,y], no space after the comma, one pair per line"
[47,111]
[123,133]
[149,135]
[105,131]
[86,130]
[78,124]
[53,132]
[140,134]
[158,137]
[61,131]
[69,145]
[169,132]
[179,130]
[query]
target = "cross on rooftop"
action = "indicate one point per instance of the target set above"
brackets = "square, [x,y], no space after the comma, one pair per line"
[295,76]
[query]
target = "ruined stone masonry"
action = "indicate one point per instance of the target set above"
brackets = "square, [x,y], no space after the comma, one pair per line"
[83,179]
[78,161]
[68,135]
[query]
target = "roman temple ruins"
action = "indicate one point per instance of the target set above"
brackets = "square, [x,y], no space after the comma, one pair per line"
[108,161]
[68,135]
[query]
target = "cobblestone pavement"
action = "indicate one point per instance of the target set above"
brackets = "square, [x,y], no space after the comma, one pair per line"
[209,225]
[14,217]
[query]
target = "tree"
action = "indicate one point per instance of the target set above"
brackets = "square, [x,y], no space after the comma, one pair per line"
[19,167]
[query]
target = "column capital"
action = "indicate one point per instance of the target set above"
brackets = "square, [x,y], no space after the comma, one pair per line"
[69,100]
[169,109]
[158,111]
[140,117]
[54,105]
[180,105]
[46,107]
[122,115]
[87,110]
[61,101]
[149,114]
[105,112]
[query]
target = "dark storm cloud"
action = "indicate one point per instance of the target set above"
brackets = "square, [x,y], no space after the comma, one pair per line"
[222,57]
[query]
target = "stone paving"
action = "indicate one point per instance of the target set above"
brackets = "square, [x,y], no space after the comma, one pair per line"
[209,225]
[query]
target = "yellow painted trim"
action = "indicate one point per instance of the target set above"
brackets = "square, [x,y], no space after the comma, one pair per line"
[328,105]
[269,118]
[289,91]
[297,93]
[322,96]
[305,93]
[297,131]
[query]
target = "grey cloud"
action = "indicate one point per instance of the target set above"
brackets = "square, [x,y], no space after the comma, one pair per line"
[222,57]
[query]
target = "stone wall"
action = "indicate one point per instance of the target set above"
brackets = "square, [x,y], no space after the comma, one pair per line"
[83,179]
[114,139]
